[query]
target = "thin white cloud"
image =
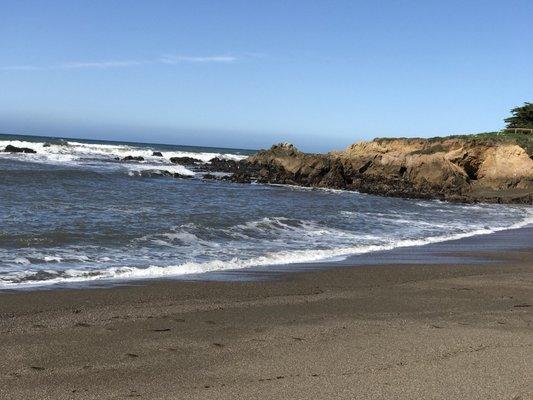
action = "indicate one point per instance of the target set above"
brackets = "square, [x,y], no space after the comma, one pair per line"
[167,59]
[21,68]
[101,64]
[185,59]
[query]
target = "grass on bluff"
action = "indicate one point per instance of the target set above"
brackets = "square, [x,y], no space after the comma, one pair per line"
[524,140]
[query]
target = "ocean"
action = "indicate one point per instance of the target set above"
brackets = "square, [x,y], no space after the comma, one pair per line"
[75,212]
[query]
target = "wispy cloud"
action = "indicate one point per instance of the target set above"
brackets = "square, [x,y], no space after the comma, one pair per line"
[21,68]
[188,59]
[101,64]
[107,64]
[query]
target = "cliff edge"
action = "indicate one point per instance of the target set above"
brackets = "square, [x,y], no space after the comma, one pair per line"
[466,169]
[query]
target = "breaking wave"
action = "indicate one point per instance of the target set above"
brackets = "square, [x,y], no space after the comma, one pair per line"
[282,228]
[75,212]
[107,156]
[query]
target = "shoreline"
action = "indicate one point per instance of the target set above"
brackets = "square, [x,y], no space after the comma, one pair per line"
[419,253]
[403,324]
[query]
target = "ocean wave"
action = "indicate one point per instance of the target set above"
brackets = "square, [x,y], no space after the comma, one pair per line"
[78,154]
[28,278]
[156,169]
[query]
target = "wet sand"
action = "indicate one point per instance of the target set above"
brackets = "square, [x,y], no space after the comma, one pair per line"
[451,330]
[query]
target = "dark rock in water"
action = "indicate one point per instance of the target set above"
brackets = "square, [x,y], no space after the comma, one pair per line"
[222,165]
[58,142]
[12,149]
[185,160]
[157,154]
[214,177]
[133,158]
[162,172]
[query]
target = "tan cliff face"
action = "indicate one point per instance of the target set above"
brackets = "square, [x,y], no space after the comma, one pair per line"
[498,166]
[506,163]
[450,169]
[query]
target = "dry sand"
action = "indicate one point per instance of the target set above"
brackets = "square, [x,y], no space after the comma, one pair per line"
[367,332]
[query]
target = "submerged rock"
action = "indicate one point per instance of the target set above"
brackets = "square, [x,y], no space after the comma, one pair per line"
[210,177]
[217,177]
[133,158]
[162,172]
[185,160]
[58,142]
[157,154]
[13,149]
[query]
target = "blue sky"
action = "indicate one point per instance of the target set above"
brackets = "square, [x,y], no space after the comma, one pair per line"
[321,74]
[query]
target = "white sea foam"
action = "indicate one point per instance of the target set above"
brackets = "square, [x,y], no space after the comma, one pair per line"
[15,280]
[222,236]
[138,169]
[74,153]
[52,259]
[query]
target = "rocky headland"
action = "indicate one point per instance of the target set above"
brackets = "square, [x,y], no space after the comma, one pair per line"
[463,168]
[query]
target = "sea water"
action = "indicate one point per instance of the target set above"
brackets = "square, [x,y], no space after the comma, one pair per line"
[72,212]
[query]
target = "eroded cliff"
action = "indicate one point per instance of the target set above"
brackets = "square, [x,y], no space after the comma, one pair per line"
[455,169]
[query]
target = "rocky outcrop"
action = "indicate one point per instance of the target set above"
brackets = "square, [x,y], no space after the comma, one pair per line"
[284,164]
[448,169]
[224,165]
[13,149]
[157,154]
[185,160]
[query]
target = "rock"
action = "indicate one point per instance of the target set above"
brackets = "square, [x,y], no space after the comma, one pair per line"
[185,160]
[162,172]
[222,165]
[216,177]
[12,149]
[157,154]
[455,169]
[58,142]
[133,158]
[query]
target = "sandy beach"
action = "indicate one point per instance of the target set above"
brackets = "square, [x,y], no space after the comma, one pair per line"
[276,200]
[405,331]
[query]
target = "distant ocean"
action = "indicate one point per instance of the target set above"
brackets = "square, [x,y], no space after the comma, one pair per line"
[73,213]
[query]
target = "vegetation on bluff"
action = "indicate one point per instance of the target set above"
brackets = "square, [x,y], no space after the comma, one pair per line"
[522,117]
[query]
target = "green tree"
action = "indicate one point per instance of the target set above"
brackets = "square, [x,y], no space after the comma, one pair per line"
[522,117]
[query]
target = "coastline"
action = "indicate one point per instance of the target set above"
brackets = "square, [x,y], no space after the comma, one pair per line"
[446,320]
[456,249]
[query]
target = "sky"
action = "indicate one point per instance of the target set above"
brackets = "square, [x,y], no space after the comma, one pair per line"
[247,74]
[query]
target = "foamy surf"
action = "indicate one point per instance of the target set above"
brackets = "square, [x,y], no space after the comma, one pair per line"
[107,156]
[77,212]
[272,259]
